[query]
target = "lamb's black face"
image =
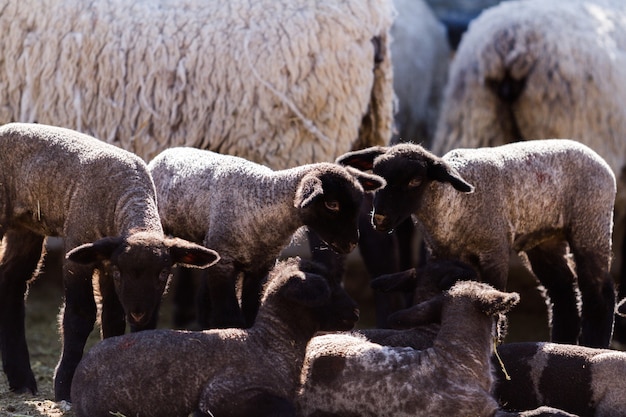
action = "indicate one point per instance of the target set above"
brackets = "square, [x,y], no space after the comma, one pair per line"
[334,214]
[406,181]
[140,275]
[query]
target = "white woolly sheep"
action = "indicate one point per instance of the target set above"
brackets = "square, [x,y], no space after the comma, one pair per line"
[248,213]
[577,379]
[537,69]
[101,199]
[346,375]
[226,372]
[539,198]
[281,84]
[419,51]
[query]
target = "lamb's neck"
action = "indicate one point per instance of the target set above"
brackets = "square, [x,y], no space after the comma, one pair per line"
[136,211]
[278,191]
[467,339]
[288,341]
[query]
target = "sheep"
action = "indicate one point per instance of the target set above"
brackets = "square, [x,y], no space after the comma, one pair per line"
[537,70]
[223,372]
[346,375]
[248,214]
[101,200]
[283,84]
[527,197]
[580,380]
[419,50]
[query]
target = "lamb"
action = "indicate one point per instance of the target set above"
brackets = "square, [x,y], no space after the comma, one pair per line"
[537,70]
[248,214]
[283,84]
[529,198]
[577,379]
[346,375]
[101,200]
[225,372]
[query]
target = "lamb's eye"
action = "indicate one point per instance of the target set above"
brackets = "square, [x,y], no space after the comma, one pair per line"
[164,275]
[332,205]
[415,182]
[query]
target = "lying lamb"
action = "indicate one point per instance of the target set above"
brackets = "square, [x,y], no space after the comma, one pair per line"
[578,379]
[226,372]
[346,375]
[539,198]
[248,213]
[101,199]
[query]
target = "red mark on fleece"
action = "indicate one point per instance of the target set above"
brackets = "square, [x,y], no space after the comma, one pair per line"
[125,344]
[541,177]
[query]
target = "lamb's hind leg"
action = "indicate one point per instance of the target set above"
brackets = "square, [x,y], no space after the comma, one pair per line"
[22,251]
[551,268]
[598,297]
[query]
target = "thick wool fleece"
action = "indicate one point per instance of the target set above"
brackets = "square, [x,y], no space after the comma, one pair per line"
[281,83]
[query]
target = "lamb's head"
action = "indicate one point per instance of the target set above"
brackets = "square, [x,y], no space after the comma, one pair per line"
[141,265]
[426,283]
[430,280]
[300,291]
[483,297]
[329,198]
[408,170]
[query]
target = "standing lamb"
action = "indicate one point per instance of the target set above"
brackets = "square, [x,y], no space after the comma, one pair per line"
[101,199]
[537,69]
[539,198]
[344,375]
[226,372]
[280,83]
[248,213]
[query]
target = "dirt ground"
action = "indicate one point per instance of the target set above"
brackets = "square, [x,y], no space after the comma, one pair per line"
[527,322]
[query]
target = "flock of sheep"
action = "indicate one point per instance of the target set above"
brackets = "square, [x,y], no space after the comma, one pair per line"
[231,125]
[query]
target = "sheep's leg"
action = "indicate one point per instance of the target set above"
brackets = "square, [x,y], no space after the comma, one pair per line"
[224,304]
[78,319]
[183,296]
[251,295]
[551,268]
[112,319]
[22,251]
[598,298]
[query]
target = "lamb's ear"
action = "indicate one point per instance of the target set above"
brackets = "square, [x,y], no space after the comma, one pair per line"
[439,170]
[189,254]
[420,314]
[100,250]
[362,159]
[369,182]
[308,190]
[400,281]
[496,302]
[308,289]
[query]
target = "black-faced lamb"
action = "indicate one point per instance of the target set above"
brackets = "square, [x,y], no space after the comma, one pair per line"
[537,69]
[544,199]
[101,200]
[249,212]
[225,372]
[344,375]
[580,380]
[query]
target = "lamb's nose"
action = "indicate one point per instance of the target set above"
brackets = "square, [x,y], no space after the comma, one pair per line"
[379,219]
[137,316]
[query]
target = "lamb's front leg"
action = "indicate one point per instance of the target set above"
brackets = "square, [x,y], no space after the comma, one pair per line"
[77,322]
[22,250]
[220,284]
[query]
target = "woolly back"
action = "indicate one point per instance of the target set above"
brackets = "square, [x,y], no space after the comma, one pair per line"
[236,77]
[533,69]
